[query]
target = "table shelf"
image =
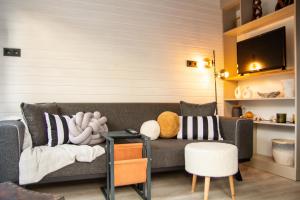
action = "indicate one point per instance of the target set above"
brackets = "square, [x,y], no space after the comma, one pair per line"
[274,123]
[263,99]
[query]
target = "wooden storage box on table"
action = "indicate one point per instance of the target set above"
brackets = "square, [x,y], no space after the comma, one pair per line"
[129,165]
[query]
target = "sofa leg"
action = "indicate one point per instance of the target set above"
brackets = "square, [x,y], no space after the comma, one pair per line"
[238,176]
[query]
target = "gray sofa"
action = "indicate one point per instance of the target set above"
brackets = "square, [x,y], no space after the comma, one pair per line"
[168,154]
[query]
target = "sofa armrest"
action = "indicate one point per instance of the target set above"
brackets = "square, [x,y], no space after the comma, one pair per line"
[11,142]
[240,131]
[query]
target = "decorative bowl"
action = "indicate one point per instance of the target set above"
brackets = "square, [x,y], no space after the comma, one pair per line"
[269,95]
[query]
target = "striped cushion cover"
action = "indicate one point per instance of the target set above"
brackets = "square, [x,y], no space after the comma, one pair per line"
[57,129]
[199,128]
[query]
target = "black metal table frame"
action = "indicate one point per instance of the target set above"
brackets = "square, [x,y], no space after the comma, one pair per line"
[143,189]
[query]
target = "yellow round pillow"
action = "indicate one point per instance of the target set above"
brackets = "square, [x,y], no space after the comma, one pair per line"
[169,124]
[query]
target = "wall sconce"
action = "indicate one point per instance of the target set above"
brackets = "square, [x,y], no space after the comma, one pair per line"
[223,74]
[209,63]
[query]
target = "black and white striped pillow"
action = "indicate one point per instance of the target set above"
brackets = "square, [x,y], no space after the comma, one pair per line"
[57,129]
[199,128]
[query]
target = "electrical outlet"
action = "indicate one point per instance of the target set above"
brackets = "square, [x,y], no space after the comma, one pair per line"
[11,52]
[191,63]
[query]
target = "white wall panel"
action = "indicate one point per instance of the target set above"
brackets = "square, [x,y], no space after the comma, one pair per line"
[107,51]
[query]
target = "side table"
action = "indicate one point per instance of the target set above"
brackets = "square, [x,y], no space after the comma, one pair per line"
[128,164]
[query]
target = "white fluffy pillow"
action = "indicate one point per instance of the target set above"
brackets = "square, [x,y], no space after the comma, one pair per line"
[151,129]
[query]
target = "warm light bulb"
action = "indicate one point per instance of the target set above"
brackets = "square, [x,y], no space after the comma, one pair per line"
[207,62]
[223,74]
[255,66]
[226,74]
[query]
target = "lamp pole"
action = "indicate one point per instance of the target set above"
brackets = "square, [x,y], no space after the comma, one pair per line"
[215,78]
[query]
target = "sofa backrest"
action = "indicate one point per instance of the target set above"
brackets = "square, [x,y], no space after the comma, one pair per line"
[122,115]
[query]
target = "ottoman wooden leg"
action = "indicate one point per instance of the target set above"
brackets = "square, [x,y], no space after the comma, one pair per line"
[231,182]
[194,183]
[206,187]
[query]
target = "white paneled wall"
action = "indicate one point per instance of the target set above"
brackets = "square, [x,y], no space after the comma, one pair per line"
[107,51]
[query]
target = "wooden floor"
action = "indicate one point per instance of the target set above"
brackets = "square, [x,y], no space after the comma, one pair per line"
[177,185]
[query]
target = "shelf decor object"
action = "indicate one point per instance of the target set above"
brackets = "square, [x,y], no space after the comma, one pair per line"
[283,151]
[281,117]
[238,92]
[246,93]
[288,87]
[248,115]
[257,9]
[283,3]
[237,111]
[238,18]
[269,94]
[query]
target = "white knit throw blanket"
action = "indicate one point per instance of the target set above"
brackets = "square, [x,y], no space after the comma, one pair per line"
[35,163]
[85,129]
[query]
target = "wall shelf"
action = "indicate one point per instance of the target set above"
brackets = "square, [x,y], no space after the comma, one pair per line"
[263,99]
[276,16]
[290,18]
[269,123]
[261,74]
[266,163]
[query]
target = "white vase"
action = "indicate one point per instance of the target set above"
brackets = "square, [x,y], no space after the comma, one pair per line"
[288,88]
[238,92]
[247,93]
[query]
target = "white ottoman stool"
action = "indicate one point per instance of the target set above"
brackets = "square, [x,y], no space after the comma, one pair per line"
[211,159]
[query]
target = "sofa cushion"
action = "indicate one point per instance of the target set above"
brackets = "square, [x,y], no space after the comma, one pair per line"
[169,124]
[168,153]
[121,116]
[190,109]
[34,116]
[199,128]
[151,129]
[80,170]
[57,129]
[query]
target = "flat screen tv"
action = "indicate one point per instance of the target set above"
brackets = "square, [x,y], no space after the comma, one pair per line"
[262,52]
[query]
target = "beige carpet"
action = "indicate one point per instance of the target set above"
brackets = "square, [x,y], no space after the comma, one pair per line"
[177,185]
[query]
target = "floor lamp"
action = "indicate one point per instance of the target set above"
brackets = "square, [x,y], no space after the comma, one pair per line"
[222,74]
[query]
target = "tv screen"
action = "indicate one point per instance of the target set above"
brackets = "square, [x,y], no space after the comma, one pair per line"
[262,52]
